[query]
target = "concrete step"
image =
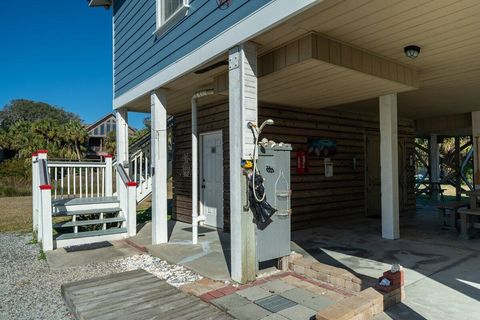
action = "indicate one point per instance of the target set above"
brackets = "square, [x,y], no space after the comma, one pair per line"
[87,222]
[96,233]
[67,212]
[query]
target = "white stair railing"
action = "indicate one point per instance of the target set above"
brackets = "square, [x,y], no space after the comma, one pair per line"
[141,171]
[42,200]
[79,179]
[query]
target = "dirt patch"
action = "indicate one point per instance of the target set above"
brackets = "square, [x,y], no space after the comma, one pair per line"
[16,214]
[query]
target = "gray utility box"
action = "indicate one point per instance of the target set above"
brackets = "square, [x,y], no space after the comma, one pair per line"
[274,165]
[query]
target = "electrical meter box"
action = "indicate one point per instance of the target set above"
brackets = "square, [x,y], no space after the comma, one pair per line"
[273,163]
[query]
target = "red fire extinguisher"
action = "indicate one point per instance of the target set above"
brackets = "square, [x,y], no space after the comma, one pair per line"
[302,162]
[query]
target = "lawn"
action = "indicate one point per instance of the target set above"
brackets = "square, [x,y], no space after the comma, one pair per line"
[16,214]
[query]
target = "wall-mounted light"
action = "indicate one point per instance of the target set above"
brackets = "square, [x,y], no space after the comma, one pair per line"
[412,51]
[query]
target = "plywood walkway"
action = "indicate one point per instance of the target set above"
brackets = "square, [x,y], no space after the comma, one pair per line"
[134,295]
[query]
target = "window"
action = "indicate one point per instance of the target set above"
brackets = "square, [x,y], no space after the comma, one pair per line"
[170,12]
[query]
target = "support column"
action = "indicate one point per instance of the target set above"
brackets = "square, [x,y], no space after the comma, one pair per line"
[242,108]
[122,137]
[159,166]
[458,168]
[434,166]
[475,145]
[389,166]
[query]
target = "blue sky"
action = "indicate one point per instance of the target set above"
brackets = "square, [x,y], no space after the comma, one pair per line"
[59,52]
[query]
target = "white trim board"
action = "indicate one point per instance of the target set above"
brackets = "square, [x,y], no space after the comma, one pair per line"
[264,18]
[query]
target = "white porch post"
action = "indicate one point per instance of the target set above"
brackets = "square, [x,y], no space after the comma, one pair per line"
[389,166]
[42,155]
[46,216]
[35,191]
[475,144]
[122,137]
[242,109]
[159,167]
[434,165]
[108,176]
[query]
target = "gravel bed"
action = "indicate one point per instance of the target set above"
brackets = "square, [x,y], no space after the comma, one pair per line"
[30,290]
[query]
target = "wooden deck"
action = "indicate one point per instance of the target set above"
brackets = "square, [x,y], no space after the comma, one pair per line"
[134,295]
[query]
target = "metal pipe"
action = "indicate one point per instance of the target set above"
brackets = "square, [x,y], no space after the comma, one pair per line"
[195,217]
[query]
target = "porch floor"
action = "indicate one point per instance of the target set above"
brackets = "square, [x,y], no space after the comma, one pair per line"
[442,275]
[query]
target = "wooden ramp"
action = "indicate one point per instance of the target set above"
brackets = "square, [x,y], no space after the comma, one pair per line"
[134,295]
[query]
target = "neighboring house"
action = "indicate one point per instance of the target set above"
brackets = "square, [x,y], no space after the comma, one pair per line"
[367,75]
[98,133]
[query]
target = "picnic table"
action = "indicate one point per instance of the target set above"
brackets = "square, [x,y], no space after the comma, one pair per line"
[447,213]
[430,188]
[468,223]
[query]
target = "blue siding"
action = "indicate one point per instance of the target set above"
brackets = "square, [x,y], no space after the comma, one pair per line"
[139,54]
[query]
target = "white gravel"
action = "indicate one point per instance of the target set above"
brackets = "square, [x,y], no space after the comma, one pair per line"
[30,290]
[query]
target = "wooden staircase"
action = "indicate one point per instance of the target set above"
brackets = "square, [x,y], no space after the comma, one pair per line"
[98,219]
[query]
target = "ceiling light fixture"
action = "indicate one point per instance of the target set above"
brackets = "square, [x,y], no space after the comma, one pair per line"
[412,51]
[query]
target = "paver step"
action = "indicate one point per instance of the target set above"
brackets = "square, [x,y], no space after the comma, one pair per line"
[61,213]
[66,236]
[67,224]
[84,201]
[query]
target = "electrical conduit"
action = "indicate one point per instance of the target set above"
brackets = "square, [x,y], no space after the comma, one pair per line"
[195,217]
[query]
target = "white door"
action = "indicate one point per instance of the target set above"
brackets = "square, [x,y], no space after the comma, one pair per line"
[212,179]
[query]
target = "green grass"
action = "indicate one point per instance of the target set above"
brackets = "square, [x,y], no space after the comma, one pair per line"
[16,214]
[42,255]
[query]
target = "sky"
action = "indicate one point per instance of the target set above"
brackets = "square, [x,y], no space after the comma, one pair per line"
[58,52]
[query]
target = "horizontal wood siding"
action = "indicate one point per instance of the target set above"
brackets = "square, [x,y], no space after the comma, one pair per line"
[139,54]
[314,196]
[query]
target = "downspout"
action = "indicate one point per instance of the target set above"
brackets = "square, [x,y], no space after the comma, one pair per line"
[195,217]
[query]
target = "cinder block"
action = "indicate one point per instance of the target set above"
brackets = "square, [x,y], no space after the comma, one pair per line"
[294,257]
[305,262]
[298,269]
[352,286]
[356,303]
[337,282]
[335,312]
[320,267]
[311,273]
[325,277]
[375,297]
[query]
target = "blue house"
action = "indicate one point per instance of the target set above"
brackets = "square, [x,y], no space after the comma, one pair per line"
[362,76]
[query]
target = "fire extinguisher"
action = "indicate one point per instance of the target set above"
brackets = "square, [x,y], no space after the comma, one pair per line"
[302,162]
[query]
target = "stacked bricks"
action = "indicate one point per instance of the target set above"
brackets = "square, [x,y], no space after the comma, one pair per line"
[395,292]
[310,268]
[364,305]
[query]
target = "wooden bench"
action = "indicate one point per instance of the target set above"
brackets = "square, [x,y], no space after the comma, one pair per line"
[447,213]
[467,225]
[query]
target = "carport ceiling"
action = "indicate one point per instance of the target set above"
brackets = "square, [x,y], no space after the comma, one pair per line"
[448,32]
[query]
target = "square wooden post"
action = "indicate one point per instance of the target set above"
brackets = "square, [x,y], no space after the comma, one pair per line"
[159,167]
[242,109]
[389,166]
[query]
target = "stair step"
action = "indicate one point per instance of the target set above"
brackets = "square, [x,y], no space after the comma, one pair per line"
[84,212]
[84,201]
[87,222]
[66,236]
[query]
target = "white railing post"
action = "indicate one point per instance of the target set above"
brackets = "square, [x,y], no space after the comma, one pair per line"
[46,217]
[108,176]
[35,191]
[132,208]
[41,155]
